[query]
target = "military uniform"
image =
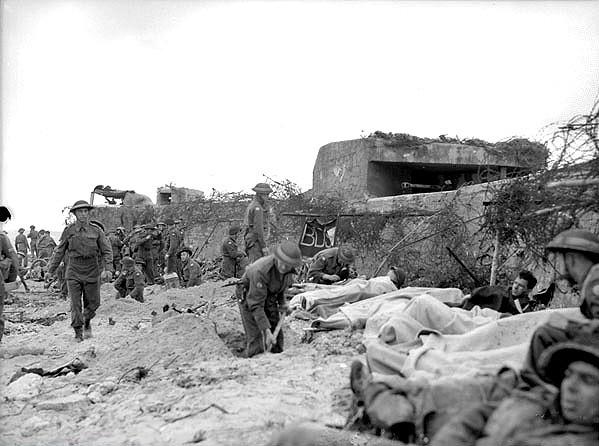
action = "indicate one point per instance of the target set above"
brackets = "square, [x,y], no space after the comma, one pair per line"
[144,252]
[256,221]
[131,282]
[82,244]
[9,267]
[45,246]
[116,244]
[327,262]
[232,265]
[22,245]
[33,235]
[172,246]
[261,295]
[191,273]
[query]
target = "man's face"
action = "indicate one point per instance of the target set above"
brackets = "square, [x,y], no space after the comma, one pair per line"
[520,287]
[579,393]
[82,215]
[283,267]
[184,256]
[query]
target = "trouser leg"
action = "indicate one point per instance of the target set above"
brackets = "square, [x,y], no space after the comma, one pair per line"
[255,342]
[75,289]
[91,300]
[273,317]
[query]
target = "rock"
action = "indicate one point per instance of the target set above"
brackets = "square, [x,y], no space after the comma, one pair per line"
[24,388]
[63,403]
[96,397]
[33,425]
[103,388]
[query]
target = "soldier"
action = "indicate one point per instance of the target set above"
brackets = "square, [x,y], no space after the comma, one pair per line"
[9,267]
[83,244]
[22,246]
[144,252]
[33,235]
[172,246]
[130,282]
[580,251]
[116,243]
[191,272]
[45,244]
[233,258]
[262,302]
[256,221]
[158,249]
[332,265]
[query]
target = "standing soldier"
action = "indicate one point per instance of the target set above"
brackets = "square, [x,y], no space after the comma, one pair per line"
[172,246]
[45,244]
[9,267]
[22,245]
[158,249]
[232,265]
[131,280]
[262,300]
[83,244]
[191,272]
[144,252]
[33,235]
[116,243]
[256,221]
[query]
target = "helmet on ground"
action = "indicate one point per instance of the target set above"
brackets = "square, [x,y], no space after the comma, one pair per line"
[262,188]
[575,240]
[81,204]
[289,253]
[346,254]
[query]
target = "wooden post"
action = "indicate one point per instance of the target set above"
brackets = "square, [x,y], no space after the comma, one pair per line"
[495,261]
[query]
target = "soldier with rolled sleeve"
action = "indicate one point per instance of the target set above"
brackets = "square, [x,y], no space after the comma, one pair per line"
[261,297]
[256,221]
[86,247]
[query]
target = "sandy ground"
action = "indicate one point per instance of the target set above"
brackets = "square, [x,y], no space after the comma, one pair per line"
[199,388]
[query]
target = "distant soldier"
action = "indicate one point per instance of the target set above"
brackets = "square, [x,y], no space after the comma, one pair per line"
[144,252]
[158,248]
[191,272]
[172,246]
[256,221]
[261,297]
[233,258]
[22,246]
[45,244]
[116,242]
[83,244]
[130,282]
[332,265]
[9,268]
[33,235]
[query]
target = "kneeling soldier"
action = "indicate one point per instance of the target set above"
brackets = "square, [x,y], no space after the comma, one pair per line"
[131,280]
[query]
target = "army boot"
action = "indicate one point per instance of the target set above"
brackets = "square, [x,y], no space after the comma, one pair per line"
[87,329]
[78,334]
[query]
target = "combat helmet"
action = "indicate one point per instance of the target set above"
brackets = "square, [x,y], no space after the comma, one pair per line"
[575,240]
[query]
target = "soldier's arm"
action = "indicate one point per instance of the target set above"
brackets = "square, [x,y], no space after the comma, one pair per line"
[316,270]
[9,251]
[119,282]
[256,298]
[59,251]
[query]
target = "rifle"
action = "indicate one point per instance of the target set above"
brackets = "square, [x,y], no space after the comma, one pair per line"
[236,282]
[477,281]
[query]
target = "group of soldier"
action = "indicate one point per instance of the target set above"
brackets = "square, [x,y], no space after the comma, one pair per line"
[41,246]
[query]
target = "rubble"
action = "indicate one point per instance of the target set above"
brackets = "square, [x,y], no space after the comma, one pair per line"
[24,388]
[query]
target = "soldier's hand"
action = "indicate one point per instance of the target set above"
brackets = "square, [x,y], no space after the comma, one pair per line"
[331,277]
[270,339]
[49,277]
[265,251]
[106,276]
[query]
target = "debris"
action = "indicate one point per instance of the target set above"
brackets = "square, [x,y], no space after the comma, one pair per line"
[111,321]
[191,414]
[24,387]
[198,436]
[75,366]
[140,372]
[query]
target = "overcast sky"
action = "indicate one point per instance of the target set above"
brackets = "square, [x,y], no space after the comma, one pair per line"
[207,94]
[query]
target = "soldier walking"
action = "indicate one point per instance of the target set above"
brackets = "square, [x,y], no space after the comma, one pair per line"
[85,247]
[33,235]
[22,245]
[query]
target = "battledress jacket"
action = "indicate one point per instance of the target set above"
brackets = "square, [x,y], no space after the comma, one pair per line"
[191,273]
[231,257]
[325,263]
[526,418]
[264,286]
[256,220]
[85,246]
[132,282]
